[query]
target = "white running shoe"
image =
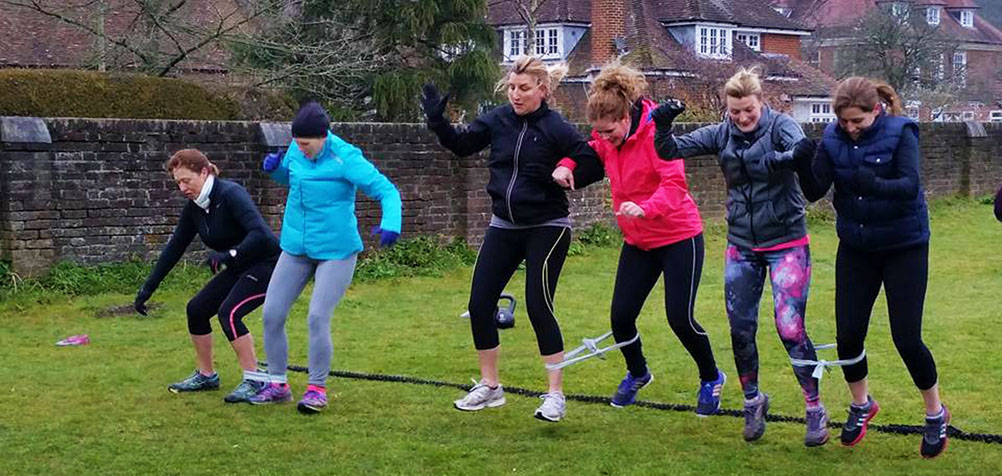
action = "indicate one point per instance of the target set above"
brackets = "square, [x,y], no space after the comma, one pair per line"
[481,396]
[553,408]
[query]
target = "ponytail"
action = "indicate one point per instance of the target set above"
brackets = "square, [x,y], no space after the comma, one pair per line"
[191,159]
[614,91]
[866,94]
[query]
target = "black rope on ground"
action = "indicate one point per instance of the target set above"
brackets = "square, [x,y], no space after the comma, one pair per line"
[952,431]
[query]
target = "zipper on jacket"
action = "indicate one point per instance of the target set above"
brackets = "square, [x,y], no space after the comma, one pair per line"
[514,170]
[748,196]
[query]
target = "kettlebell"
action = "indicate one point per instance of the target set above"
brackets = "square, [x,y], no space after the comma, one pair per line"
[505,315]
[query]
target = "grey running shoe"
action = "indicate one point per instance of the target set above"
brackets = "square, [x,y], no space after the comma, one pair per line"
[934,440]
[481,396]
[553,408]
[195,382]
[817,426]
[755,412]
[244,391]
[859,418]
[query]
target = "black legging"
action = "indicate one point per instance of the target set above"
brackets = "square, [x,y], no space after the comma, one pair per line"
[904,274]
[231,296]
[682,265]
[543,249]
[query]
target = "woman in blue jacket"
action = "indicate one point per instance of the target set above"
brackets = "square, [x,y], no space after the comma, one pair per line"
[319,239]
[872,156]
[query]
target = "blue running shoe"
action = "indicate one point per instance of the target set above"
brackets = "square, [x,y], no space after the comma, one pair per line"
[626,394]
[196,382]
[709,395]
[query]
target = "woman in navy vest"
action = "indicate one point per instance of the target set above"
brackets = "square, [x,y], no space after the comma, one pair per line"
[872,157]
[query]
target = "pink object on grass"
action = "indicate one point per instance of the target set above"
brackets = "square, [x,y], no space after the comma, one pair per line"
[80,339]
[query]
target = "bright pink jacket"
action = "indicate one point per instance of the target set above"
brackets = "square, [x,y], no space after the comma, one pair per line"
[637,175]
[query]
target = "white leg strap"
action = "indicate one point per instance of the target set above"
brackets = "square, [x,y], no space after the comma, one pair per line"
[821,365]
[590,345]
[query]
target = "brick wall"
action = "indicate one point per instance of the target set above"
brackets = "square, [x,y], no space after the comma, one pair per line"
[99,193]
[781,44]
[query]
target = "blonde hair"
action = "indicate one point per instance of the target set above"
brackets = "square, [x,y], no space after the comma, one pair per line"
[744,83]
[614,91]
[548,76]
[191,159]
[866,94]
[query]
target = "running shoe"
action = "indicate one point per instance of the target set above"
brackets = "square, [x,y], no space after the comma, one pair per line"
[554,407]
[314,400]
[272,393]
[817,426]
[196,382]
[934,435]
[709,395]
[243,393]
[859,417]
[481,396]
[626,394]
[755,411]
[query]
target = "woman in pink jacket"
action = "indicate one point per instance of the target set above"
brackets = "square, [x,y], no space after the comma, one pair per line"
[661,227]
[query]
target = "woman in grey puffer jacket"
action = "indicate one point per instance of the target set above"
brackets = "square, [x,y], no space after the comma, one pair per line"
[759,151]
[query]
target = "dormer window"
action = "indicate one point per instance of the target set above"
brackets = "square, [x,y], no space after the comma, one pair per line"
[898,9]
[548,43]
[932,15]
[786,12]
[713,42]
[967,18]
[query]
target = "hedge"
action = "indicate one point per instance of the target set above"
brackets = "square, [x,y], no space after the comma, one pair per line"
[74,93]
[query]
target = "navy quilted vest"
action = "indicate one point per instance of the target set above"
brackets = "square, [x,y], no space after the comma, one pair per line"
[873,222]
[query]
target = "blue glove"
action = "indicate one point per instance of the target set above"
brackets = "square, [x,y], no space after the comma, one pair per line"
[386,237]
[271,162]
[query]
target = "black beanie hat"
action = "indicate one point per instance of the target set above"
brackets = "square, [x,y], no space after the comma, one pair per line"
[311,121]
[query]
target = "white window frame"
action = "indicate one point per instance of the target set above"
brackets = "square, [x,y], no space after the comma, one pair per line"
[932,15]
[967,18]
[822,112]
[752,40]
[713,41]
[995,116]
[899,9]
[960,72]
[548,43]
[513,44]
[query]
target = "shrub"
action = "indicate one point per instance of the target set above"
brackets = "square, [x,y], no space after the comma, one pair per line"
[72,93]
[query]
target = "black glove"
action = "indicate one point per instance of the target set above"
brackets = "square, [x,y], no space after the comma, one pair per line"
[865,180]
[217,260]
[803,153]
[433,104]
[539,173]
[140,303]
[666,113]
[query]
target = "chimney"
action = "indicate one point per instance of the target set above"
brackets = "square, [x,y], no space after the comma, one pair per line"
[608,22]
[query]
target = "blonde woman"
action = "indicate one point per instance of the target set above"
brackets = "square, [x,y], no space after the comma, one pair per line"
[530,220]
[662,231]
[759,151]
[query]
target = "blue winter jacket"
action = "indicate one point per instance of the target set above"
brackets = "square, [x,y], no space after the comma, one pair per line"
[891,212]
[319,220]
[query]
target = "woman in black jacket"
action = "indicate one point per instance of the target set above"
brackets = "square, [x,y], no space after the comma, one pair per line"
[530,216]
[242,253]
[998,204]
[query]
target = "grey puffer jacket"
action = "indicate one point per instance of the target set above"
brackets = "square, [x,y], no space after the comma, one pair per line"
[765,206]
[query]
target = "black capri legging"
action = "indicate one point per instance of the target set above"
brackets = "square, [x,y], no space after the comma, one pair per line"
[682,265]
[231,296]
[543,249]
[903,273]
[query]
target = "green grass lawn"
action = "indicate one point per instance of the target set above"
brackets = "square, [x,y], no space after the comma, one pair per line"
[104,408]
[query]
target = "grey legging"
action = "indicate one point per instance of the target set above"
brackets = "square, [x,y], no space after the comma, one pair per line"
[331,280]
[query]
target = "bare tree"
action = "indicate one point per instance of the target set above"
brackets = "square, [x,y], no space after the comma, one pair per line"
[906,51]
[161,36]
